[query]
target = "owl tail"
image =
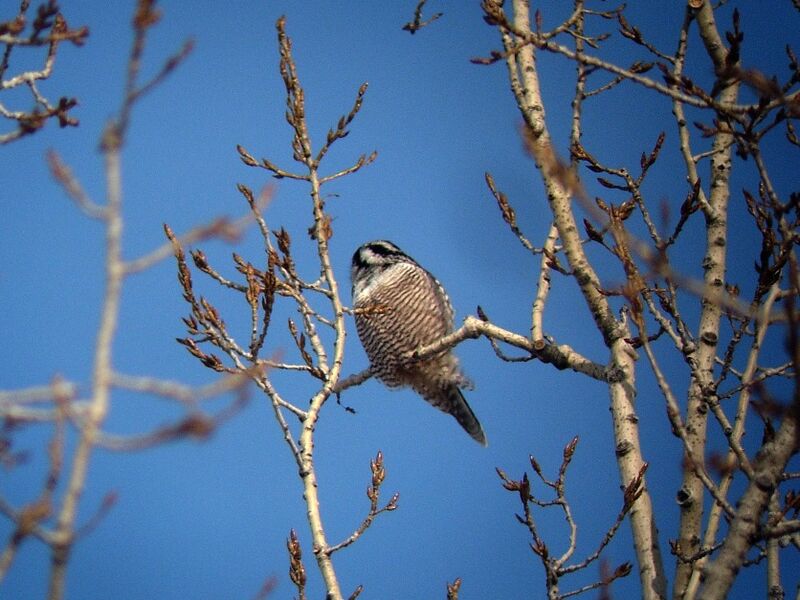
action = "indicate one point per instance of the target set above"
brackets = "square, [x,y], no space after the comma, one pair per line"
[459,408]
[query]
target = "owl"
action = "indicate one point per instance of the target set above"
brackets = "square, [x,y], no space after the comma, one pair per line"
[399,307]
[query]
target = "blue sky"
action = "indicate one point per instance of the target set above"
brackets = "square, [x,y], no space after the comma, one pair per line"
[209,520]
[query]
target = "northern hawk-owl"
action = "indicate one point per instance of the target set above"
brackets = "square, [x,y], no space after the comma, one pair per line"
[399,307]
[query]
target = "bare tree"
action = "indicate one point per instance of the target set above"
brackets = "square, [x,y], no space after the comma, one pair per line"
[279,278]
[48,30]
[730,379]
[652,296]
[639,312]
[51,515]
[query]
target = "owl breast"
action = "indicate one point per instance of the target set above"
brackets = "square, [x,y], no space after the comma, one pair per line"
[399,310]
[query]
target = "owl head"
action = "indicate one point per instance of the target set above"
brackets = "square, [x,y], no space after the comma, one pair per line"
[372,259]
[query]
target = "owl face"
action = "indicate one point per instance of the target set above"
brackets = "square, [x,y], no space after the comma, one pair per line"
[370,261]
